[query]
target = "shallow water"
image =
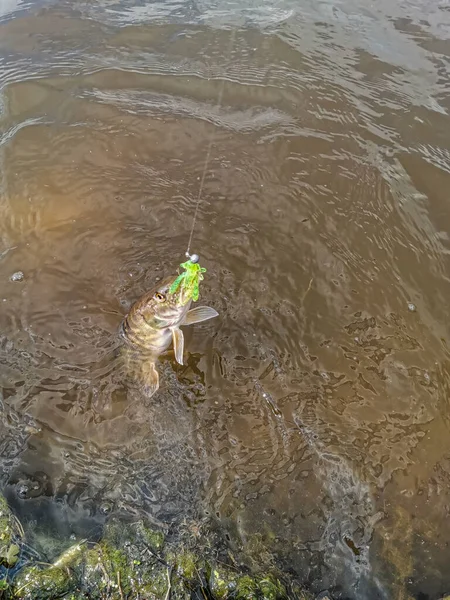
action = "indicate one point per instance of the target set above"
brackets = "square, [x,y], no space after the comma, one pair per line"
[314,410]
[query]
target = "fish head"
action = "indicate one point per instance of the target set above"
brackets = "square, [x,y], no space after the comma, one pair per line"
[164,308]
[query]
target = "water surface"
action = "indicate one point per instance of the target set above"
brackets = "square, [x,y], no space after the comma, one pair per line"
[312,415]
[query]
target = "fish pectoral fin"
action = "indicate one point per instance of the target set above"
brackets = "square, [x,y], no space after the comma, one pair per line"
[199,314]
[178,344]
[150,378]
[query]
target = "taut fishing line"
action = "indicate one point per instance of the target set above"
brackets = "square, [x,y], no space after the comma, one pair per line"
[194,257]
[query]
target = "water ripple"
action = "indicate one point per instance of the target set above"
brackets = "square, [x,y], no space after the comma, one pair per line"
[313,412]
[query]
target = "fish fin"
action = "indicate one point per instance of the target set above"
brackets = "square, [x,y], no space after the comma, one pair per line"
[199,314]
[178,344]
[150,378]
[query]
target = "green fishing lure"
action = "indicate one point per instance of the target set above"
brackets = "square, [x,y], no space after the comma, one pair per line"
[189,280]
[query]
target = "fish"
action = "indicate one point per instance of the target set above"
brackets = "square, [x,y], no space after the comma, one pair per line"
[153,323]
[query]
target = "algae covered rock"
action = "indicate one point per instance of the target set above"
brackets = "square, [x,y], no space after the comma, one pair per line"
[132,561]
[247,588]
[222,582]
[6,526]
[272,589]
[267,588]
[155,539]
[156,586]
[107,568]
[39,582]
[9,554]
[186,565]
[10,533]
[125,562]
[35,583]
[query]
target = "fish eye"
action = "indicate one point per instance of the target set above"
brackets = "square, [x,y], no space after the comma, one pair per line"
[160,297]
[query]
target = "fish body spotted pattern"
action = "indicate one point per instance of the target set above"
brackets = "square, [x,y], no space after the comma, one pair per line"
[154,321]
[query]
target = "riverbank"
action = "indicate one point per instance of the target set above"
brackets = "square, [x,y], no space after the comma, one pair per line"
[133,560]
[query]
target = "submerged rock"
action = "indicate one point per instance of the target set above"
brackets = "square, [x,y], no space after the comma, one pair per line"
[10,536]
[222,582]
[17,276]
[6,523]
[35,583]
[267,588]
[72,557]
[106,567]
[135,561]
[271,588]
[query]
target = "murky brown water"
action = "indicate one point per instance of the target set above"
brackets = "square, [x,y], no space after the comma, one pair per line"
[315,410]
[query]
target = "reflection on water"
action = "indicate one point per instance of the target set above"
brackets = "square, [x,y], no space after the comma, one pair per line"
[313,414]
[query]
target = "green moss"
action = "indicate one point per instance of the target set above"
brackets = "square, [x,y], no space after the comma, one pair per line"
[116,559]
[6,527]
[9,554]
[222,582]
[155,539]
[117,534]
[107,567]
[179,593]
[186,565]
[54,581]
[42,584]
[10,534]
[93,577]
[272,589]
[156,586]
[136,535]
[246,589]
[122,564]
[134,561]
[190,574]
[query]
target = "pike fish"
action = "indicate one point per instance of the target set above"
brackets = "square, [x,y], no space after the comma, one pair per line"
[154,322]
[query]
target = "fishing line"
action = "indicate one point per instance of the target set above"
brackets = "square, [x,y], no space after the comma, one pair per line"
[210,144]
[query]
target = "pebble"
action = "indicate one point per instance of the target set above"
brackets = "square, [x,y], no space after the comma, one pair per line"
[105,508]
[18,276]
[411,307]
[23,490]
